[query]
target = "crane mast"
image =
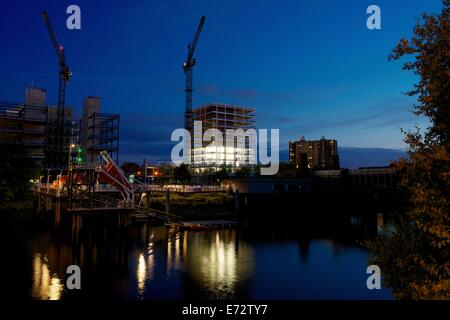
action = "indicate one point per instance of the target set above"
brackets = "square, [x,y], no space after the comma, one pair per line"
[188,67]
[58,157]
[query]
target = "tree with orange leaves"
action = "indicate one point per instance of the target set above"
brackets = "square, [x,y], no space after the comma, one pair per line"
[415,258]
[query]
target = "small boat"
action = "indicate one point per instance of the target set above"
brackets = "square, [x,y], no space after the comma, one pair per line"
[198,227]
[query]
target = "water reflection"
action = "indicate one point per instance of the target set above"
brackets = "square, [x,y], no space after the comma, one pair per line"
[213,262]
[219,262]
[141,274]
[152,262]
[176,245]
[220,266]
[46,286]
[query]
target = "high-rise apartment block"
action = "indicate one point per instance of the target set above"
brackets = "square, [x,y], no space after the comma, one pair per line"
[315,154]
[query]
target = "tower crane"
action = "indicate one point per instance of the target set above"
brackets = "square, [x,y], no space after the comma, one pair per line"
[64,76]
[188,67]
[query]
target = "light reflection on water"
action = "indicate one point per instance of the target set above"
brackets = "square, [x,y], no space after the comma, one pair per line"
[153,262]
[144,272]
[141,274]
[46,286]
[174,258]
[219,262]
[212,259]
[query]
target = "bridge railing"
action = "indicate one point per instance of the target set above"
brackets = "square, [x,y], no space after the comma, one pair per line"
[41,187]
[179,188]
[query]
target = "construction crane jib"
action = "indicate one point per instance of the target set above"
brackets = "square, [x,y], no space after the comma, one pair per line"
[64,76]
[188,67]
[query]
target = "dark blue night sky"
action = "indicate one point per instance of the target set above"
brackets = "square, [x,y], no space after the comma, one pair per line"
[310,68]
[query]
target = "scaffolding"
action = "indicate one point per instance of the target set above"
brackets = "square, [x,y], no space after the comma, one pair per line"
[58,142]
[99,133]
[223,117]
[23,124]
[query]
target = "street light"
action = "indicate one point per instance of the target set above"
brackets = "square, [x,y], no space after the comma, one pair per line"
[70,155]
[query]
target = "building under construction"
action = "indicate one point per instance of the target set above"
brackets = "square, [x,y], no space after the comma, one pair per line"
[223,117]
[24,125]
[58,141]
[97,131]
[32,125]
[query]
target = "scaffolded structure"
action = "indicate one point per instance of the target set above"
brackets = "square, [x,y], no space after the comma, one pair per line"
[223,117]
[99,133]
[25,125]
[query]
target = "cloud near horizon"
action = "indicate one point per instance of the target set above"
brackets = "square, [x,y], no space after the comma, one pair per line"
[148,135]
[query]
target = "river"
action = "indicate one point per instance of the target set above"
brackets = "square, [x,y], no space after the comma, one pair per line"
[151,262]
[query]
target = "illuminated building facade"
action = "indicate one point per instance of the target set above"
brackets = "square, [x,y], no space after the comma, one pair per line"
[236,126]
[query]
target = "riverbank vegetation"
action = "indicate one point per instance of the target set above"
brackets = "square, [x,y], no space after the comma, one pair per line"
[16,170]
[196,205]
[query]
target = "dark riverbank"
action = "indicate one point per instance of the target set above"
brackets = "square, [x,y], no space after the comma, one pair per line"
[196,206]
[326,203]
